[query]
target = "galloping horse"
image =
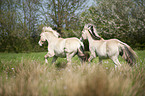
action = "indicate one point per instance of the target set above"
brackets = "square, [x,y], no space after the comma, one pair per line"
[111,48]
[59,47]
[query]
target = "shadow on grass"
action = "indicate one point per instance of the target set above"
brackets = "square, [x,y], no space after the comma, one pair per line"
[61,65]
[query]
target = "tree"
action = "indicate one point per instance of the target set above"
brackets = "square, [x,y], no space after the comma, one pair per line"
[21,21]
[122,19]
[7,23]
[18,24]
[62,13]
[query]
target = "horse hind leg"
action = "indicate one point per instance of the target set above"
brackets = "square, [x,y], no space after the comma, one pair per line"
[80,53]
[92,56]
[54,59]
[100,60]
[116,61]
[82,56]
[69,57]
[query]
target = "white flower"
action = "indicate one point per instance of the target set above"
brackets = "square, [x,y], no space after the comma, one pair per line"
[65,87]
[69,70]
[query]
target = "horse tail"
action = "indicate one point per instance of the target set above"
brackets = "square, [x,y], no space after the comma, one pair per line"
[82,46]
[81,49]
[84,56]
[127,53]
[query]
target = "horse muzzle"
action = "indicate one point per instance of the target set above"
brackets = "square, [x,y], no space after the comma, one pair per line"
[40,43]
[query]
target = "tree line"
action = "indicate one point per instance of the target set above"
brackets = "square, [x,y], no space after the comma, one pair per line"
[21,21]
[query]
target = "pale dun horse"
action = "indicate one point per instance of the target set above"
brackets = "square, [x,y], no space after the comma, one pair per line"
[59,47]
[111,48]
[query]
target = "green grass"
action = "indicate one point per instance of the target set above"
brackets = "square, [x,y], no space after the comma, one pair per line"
[26,74]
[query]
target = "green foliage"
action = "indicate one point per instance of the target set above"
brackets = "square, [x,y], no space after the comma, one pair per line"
[18,25]
[21,21]
[122,19]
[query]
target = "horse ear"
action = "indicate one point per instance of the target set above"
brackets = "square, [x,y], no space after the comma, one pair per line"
[85,27]
[44,29]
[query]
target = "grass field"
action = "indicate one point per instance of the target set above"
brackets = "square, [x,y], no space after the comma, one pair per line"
[26,74]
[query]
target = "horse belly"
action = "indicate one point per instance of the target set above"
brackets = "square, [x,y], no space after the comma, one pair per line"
[60,53]
[101,51]
[59,49]
[112,49]
[102,54]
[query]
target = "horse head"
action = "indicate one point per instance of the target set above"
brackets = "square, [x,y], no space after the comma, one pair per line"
[42,39]
[49,29]
[92,30]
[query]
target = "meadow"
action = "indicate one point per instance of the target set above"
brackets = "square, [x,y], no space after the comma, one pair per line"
[26,74]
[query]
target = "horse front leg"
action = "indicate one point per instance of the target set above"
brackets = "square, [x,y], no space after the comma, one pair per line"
[92,56]
[49,54]
[45,57]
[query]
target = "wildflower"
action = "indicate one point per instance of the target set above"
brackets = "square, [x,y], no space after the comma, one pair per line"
[69,70]
[120,73]
[65,87]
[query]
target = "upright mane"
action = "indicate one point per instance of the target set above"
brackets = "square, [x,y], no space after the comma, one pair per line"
[49,29]
[92,30]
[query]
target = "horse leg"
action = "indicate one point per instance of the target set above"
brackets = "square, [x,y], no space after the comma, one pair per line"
[92,56]
[69,56]
[81,59]
[48,55]
[54,59]
[100,60]
[116,61]
[81,56]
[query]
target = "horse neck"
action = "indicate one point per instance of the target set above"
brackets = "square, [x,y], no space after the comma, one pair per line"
[89,37]
[50,37]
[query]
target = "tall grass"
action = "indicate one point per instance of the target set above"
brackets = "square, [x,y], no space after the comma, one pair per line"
[31,77]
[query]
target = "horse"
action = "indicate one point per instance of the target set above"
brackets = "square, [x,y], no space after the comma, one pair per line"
[107,49]
[60,47]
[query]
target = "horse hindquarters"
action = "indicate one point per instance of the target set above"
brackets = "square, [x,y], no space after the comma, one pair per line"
[73,46]
[127,53]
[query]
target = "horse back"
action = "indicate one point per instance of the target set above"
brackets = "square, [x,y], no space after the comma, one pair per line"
[72,44]
[105,48]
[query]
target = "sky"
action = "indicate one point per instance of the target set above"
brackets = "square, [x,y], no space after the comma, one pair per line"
[88,5]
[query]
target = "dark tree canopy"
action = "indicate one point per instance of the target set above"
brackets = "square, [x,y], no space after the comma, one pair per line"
[21,21]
